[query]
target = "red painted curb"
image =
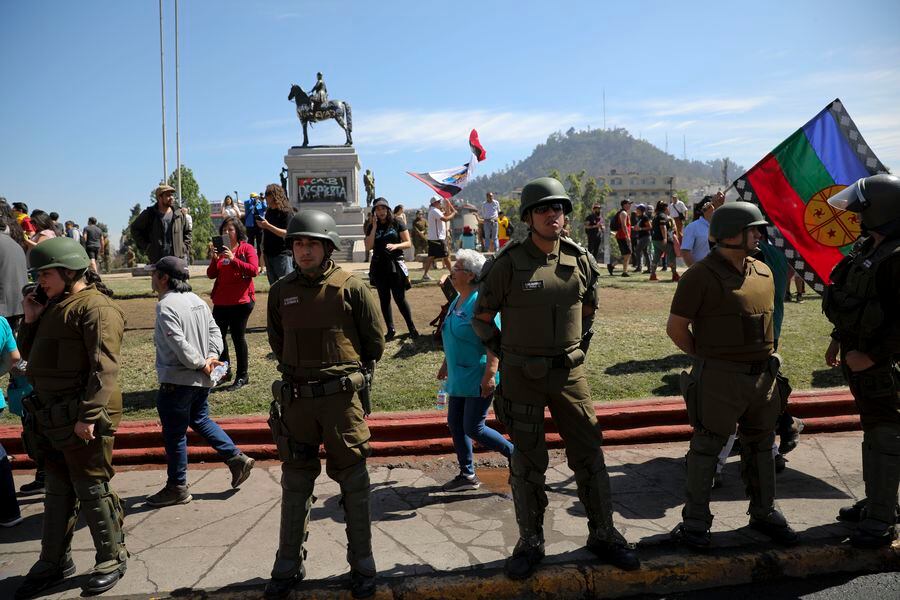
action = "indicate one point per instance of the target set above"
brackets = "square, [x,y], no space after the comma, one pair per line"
[652,420]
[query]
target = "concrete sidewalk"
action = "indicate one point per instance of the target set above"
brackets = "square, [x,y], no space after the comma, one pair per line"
[432,544]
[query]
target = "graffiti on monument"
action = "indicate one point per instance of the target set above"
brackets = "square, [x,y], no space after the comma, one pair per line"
[322,189]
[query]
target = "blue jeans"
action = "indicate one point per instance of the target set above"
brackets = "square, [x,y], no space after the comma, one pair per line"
[466,416]
[180,406]
[277,266]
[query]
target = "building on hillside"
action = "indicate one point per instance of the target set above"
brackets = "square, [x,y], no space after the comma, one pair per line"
[640,188]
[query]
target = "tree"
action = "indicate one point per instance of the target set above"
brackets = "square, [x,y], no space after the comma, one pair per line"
[127,242]
[198,206]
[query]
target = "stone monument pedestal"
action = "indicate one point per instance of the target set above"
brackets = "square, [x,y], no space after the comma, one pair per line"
[326,178]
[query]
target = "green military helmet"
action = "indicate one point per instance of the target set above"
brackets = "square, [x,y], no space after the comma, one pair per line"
[731,219]
[875,198]
[314,224]
[543,190]
[58,252]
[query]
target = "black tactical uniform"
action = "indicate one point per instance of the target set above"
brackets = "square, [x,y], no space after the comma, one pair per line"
[862,302]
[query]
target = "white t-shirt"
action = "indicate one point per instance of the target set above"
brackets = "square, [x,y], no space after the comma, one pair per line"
[437,227]
[680,208]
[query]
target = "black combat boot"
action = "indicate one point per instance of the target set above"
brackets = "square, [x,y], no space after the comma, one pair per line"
[101,582]
[525,558]
[44,575]
[854,513]
[281,588]
[695,539]
[362,585]
[618,554]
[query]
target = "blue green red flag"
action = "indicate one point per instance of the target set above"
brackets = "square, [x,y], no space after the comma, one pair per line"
[792,184]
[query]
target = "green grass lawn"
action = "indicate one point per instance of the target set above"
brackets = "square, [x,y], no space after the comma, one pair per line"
[630,356]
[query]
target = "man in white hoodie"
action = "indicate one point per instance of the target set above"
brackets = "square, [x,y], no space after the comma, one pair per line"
[188,343]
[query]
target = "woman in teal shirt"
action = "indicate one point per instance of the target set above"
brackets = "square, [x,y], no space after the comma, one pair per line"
[471,374]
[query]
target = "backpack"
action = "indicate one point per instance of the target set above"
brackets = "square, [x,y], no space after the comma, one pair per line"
[615,224]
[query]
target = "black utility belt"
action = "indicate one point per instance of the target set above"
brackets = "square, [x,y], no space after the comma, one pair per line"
[314,389]
[747,368]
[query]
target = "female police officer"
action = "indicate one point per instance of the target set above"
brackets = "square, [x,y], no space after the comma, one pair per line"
[862,303]
[71,336]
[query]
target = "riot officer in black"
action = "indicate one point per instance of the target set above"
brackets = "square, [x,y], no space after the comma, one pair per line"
[862,303]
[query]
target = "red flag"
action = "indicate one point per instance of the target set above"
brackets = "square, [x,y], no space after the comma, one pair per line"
[477,148]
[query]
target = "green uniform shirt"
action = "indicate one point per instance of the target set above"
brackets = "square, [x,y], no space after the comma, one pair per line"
[73,350]
[296,340]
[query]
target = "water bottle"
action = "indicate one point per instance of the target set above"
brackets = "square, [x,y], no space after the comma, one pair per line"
[218,372]
[440,402]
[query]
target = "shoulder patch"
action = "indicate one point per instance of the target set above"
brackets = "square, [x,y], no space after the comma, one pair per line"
[489,263]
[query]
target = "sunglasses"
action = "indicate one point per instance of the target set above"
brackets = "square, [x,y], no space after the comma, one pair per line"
[543,208]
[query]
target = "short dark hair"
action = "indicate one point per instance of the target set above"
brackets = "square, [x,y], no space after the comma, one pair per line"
[91,220]
[54,216]
[238,228]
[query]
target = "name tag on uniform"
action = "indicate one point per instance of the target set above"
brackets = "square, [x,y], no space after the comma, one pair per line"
[533,285]
[291,300]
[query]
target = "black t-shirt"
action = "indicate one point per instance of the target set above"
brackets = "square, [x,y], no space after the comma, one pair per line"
[93,235]
[273,245]
[659,219]
[387,234]
[642,222]
[592,219]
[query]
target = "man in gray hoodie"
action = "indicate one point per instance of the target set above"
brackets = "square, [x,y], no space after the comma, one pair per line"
[188,343]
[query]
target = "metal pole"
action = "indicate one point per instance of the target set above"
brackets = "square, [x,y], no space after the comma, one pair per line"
[162,92]
[177,119]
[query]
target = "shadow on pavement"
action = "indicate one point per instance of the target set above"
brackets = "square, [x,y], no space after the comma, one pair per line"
[824,378]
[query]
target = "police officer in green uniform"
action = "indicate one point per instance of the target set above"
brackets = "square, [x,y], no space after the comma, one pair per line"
[862,302]
[722,317]
[71,337]
[324,329]
[545,289]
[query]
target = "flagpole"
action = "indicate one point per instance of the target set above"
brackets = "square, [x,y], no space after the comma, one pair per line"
[162,92]
[177,117]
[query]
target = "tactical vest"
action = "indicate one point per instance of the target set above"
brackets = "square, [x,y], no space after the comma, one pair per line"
[853,301]
[740,327]
[319,329]
[58,361]
[542,312]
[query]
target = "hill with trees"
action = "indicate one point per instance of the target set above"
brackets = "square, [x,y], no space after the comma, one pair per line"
[596,152]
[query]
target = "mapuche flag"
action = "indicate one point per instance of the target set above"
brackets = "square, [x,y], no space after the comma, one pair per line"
[792,184]
[449,182]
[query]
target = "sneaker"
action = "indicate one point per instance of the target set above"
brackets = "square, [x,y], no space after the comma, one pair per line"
[675,276]
[239,383]
[799,297]
[462,483]
[780,463]
[33,488]
[692,538]
[426,277]
[240,467]
[790,437]
[626,274]
[414,334]
[11,522]
[653,277]
[170,495]
[610,267]
[391,334]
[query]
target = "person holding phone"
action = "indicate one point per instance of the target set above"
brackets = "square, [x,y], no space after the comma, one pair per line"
[276,251]
[471,374]
[72,345]
[387,238]
[234,264]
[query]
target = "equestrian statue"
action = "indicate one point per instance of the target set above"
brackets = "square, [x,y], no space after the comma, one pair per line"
[316,107]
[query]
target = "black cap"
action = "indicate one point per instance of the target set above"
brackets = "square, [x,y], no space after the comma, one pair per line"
[174,267]
[381,202]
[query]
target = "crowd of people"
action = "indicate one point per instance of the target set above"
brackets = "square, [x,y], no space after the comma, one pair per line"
[524,319]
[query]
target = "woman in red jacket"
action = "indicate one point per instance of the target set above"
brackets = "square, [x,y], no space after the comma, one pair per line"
[233,266]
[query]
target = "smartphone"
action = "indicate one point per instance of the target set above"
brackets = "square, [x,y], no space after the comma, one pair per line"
[218,243]
[40,296]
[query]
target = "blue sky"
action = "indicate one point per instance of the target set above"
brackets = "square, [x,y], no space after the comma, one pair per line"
[80,103]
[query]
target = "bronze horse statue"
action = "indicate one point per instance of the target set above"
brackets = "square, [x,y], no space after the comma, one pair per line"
[308,112]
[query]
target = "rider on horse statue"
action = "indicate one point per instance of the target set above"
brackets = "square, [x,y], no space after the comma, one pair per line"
[319,93]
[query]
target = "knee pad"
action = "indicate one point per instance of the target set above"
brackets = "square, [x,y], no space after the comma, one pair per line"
[884,439]
[706,443]
[353,479]
[298,480]
[87,491]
